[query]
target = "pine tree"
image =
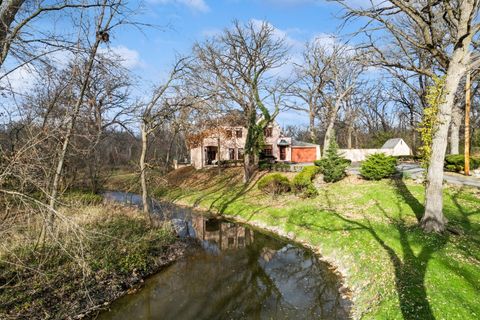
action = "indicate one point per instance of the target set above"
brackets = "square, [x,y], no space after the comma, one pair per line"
[333,165]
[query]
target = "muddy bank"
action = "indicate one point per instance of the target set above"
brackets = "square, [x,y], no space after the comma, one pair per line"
[109,253]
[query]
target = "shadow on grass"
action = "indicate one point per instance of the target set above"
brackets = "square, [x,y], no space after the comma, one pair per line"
[410,268]
[465,217]
[216,182]
[225,200]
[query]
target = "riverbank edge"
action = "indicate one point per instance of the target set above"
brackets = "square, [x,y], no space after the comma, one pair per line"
[176,251]
[118,285]
[347,291]
[137,283]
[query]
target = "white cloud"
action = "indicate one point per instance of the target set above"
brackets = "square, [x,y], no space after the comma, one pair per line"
[211,32]
[293,2]
[196,5]
[61,58]
[279,33]
[128,58]
[365,4]
[20,80]
[296,48]
[327,40]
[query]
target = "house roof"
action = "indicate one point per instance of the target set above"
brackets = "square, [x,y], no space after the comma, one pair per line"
[391,143]
[296,143]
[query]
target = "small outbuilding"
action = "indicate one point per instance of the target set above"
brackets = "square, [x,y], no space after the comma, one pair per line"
[397,147]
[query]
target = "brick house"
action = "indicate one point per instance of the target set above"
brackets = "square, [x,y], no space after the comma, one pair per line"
[228,143]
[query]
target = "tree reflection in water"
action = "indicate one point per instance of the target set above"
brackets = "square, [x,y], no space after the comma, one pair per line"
[240,274]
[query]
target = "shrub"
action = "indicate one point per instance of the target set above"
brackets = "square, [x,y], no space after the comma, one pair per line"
[333,166]
[274,184]
[456,162]
[302,182]
[264,165]
[378,166]
[229,163]
[310,191]
[281,167]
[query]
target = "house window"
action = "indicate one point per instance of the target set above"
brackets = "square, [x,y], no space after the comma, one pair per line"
[268,132]
[267,150]
[229,134]
[238,132]
[239,153]
[231,242]
[231,153]
[241,242]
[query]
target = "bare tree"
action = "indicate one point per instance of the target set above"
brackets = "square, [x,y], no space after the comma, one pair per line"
[343,74]
[154,113]
[234,65]
[445,32]
[106,108]
[103,25]
[17,31]
[311,79]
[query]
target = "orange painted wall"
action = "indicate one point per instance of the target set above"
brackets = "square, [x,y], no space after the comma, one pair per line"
[304,154]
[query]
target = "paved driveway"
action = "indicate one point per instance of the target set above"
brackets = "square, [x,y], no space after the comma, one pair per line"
[416,172]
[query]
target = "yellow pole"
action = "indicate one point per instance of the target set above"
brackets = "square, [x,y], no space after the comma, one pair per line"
[467,124]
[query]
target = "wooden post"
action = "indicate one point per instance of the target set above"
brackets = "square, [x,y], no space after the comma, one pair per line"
[467,124]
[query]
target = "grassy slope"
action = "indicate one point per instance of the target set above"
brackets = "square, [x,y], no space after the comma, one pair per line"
[369,230]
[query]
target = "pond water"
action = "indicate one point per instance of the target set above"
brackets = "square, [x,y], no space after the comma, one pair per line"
[236,273]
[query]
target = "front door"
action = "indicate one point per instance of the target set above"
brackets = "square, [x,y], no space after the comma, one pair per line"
[211,154]
[283,153]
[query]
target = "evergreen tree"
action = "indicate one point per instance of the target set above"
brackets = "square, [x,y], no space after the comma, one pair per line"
[333,165]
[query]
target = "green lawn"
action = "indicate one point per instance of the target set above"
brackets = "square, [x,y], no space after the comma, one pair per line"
[369,230]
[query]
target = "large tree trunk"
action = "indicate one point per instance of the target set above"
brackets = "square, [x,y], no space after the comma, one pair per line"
[414,131]
[457,116]
[355,136]
[169,151]
[311,128]
[250,160]
[143,169]
[8,11]
[219,158]
[248,167]
[330,126]
[433,219]
[349,136]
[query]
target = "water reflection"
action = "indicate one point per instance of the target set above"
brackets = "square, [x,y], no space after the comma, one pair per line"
[215,235]
[240,274]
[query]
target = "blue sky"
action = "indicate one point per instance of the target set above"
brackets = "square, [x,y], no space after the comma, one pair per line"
[180,23]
